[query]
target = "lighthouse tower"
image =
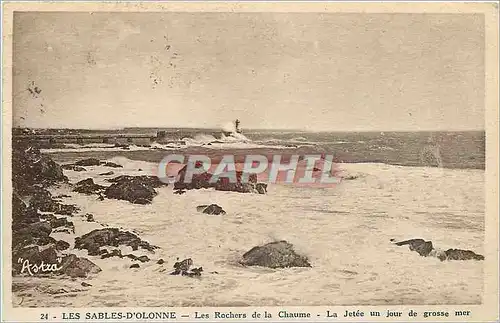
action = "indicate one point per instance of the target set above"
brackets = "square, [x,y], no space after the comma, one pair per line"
[237,126]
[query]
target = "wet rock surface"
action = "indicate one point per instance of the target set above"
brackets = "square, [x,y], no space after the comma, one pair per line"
[184,268]
[212,209]
[135,189]
[278,254]
[88,187]
[132,191]
[425,249]
[74,266]
[98,238]
[74,168]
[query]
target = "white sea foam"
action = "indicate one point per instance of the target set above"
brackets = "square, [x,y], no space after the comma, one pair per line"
[344,230]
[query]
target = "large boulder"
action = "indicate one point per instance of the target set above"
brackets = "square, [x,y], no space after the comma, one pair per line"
[34,234]
[248,186]
[459,254]
[421,246]
[198,181]
[22,215]
[98,238]
[133,191]
[212,209]
[207,180]
[41,199]
[74,266]
[278,254]
[30,167]
[88,187]
[425,249]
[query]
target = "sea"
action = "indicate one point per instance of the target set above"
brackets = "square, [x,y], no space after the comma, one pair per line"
[403,185]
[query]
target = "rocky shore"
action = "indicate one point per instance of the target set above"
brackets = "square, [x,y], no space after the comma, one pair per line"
[37,215]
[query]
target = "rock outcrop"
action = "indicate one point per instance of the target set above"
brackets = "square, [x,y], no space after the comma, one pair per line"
[98,238]
[425,249]
[132,191]
[88,187]
[212,209]
[74,266]
[110,164]
[184,268]
[278,254]
[207,180]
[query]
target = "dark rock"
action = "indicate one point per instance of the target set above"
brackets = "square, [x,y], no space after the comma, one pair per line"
[279,254]
[22,215]
[194,272]
[143,258]
[152,181]
[179,192]
[74,266]
[107,173]
[56,222]
[131,256]
[88,162]
[261,188]
[114,253]
[30,167]
[182,266]
[74,168]
[135,266]
[62,245]
[90,217]
[134,191]
[111,237]
[87,186]
[41,199]
[421,246]
[160,262]
[198,181]
[458,254]
[225,184]
[84,284]
[212,209]
[110,164]
[36,233]
[424,248]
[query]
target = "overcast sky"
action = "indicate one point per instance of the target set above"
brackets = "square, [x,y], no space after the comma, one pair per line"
[306,71]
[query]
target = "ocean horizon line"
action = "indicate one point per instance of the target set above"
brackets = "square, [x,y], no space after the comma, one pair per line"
[212,129]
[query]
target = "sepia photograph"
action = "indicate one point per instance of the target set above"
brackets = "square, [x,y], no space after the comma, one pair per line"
[247,158]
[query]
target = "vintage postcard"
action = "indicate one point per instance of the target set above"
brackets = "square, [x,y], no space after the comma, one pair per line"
[250,161]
